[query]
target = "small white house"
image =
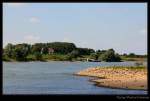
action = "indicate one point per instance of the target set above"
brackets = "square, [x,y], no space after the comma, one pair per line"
[50,50]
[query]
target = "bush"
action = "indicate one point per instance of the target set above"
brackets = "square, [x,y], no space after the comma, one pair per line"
[74,54]
[110,56]
[19,54]
[38,56]
[5,58]
[94,56]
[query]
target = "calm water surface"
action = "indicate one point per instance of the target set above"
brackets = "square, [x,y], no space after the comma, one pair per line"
[55,78]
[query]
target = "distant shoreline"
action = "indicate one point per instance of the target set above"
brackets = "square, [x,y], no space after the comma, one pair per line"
[47,60]
[134,78]
[73,61]
[58,59]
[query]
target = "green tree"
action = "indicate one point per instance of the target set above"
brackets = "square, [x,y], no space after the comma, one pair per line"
[8,51]
[132,55]
[38,56]
[62,47]
[117,58]
[110,56]
[37,47]
[19,54]
[85,51]
[94,56]
[73,54]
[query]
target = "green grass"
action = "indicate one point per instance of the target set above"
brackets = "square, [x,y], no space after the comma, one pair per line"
[51,57]
[133,59]
[128,67]
[65,57]
[6,58]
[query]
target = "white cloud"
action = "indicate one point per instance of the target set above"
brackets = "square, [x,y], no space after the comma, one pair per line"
[34,20]
[15,4]
[31,39]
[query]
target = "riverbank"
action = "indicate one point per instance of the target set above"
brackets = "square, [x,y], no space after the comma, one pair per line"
[60,59]
[141,59]
[118,77]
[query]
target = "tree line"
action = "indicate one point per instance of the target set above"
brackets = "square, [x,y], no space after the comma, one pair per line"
[21,52]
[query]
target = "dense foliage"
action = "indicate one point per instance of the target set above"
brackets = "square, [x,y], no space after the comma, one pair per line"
[62,51]
[132,55]
[85,51]
[22,52]
[110,56]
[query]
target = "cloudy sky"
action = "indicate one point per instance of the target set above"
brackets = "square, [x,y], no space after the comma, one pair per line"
[121,26]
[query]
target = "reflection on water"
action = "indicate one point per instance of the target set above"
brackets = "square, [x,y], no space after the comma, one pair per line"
[55,78]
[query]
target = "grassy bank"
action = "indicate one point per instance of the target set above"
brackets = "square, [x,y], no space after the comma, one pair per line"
[118,77]
[123,58]
[53,57]
[46,57]
[65,57]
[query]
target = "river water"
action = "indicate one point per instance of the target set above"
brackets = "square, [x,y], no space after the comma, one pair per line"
[55,78]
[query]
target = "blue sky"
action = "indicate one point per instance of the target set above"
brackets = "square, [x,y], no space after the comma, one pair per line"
[121,26]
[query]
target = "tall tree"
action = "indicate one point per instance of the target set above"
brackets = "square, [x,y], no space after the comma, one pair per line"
[110,56]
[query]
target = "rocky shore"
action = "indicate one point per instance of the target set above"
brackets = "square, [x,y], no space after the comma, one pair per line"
[118,77]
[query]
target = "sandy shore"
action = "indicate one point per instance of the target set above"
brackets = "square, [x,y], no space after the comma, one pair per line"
[117,77]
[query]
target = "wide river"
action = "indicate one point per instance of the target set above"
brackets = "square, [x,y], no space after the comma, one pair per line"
[55,78]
